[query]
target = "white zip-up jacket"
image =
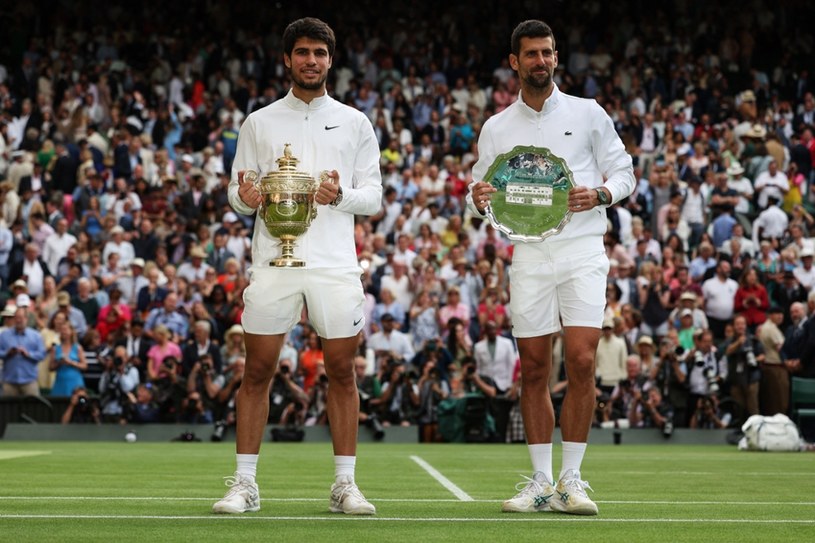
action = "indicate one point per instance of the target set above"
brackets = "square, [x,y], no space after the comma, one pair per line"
[576,130]
[324,135]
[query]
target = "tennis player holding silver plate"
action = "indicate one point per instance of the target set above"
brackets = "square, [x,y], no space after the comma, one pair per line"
[531,202]
[548,166]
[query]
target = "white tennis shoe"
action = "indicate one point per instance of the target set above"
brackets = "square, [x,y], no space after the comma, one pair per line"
[242,496]
[571,497]
[535,495]
[346,498]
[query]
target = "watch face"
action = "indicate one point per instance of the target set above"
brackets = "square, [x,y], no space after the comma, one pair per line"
[602,196]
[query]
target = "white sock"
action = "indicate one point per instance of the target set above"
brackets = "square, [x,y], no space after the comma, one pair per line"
[247,465]
[541,455]
[572,456]
[344,466]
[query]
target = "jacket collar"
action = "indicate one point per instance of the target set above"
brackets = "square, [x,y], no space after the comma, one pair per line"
[548,106]
[295,103]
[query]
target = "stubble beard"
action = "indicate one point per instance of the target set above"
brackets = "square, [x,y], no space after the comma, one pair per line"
[538,83]
[299,82]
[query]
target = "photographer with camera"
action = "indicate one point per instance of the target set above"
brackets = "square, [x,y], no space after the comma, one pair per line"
[370,390]
[433,351]
[82,409]
[119,378]
[203,385]
[432,390]
[744,354]
[619,403]
[706,372]
[650,410]
[143,408]
[400,394]
[169,389]
[200,345]
[317,414]
[230,382]
[288,401]
[670,377]
[707,415]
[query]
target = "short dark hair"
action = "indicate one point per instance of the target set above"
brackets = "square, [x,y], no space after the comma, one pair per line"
[308,27]
[531,28]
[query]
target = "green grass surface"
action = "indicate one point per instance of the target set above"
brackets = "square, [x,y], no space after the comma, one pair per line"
[163,492]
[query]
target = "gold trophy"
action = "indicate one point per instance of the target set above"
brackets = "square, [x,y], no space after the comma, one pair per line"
[287,205]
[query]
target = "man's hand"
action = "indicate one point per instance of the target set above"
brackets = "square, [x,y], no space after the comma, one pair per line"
[582,199]
[329,188]
[248,192]
[481,195]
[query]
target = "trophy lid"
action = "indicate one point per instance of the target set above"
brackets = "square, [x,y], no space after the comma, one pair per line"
[288,162]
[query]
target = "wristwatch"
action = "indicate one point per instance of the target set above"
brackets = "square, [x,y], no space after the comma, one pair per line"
[338,199]
[602,197]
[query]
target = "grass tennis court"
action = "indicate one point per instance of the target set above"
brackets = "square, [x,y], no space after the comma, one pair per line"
[58,491]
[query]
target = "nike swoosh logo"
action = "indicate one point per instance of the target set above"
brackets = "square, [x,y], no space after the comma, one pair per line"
[357,321]
[567,133]
[331,127]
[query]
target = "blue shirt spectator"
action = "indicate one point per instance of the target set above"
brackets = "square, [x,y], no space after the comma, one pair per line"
[21,349]
[167,315]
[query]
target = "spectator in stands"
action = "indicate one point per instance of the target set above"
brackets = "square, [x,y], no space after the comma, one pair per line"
[158,365]
[113,316]
[32,269]
[168,316]
[234,346]
[21,350]
[610,365]
[200,345]
[67,359]
[495,357]
[719,293]
[390,344]
[751,299]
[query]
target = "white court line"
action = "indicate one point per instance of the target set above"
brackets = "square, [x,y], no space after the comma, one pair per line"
[347,518]
[393,500]
[445,482]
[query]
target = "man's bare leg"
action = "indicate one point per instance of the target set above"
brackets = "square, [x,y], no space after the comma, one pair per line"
[580,345]
[252,411]
[252,400]
[343,415]
[343,398]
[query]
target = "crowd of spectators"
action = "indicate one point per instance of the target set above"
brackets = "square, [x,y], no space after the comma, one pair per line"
[123,266]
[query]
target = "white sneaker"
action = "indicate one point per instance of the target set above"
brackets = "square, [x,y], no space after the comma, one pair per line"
[535,495]
[346,498]
[242,496]
[571,495]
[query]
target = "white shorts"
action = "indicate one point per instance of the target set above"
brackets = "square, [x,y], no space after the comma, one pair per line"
[275,296]
[568,287]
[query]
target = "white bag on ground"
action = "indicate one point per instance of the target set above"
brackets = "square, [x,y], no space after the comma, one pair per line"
[776,433]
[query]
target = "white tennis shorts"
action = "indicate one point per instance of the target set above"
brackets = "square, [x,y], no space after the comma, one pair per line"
[275,296]
[567,287]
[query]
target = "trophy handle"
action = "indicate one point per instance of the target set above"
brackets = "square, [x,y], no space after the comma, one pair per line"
[252,177]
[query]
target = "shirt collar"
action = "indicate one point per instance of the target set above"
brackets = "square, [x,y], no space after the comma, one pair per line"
[295,103]
[548,106]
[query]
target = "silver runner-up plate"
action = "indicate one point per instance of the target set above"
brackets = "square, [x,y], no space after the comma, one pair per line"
[533,190]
